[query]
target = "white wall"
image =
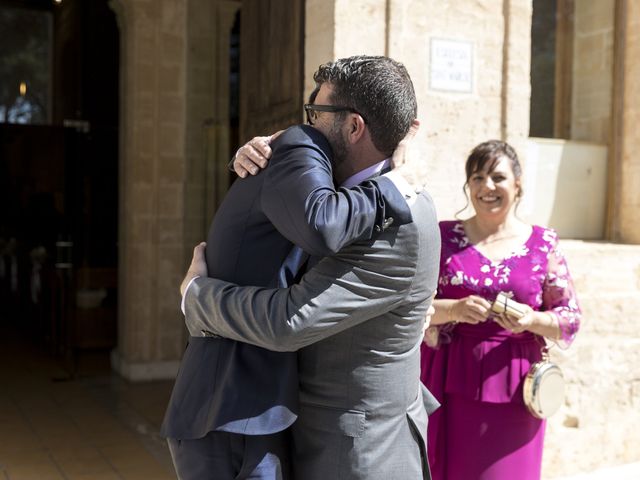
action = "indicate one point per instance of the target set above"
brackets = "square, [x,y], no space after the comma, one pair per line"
[565,187]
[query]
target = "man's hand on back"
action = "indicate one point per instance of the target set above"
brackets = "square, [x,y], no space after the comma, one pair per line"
[198,267]
[399,159]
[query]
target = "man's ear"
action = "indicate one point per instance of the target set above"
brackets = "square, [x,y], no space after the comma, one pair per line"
[356,128]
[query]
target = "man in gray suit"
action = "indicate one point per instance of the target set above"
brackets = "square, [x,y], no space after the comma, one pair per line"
[356,318]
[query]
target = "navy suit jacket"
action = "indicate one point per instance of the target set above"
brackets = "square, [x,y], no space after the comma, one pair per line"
[236,387]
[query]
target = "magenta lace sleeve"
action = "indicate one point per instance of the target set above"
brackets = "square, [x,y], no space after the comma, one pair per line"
[559,297]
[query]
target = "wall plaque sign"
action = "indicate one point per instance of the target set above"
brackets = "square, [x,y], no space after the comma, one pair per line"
[451,65]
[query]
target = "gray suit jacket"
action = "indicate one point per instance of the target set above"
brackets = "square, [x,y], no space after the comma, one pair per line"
[356,319]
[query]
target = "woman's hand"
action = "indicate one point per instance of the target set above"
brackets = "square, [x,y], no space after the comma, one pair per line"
[472,309]
[253,155]
[517,324]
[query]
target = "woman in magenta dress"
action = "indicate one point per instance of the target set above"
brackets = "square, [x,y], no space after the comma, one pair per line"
[475,363]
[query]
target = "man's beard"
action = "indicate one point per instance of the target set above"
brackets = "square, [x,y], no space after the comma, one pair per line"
[338,145]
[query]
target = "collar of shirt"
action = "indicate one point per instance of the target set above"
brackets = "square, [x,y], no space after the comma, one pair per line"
[368,172]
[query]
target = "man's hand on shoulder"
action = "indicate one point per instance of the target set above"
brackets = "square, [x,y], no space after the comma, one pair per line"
[198,267]
[254,155]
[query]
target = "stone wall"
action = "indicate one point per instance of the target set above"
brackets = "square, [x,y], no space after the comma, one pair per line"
[599,424]
[592,71]
[496,107]
[452,123]
[341,28]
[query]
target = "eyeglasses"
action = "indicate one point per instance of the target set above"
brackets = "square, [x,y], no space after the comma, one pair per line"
[312,110]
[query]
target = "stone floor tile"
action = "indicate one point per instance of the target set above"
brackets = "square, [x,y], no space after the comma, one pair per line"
[82,461]
[34,471]
[107,438]
[96,476]
[128,456]
[65,443]
[12,444]
[155,473]
[25,457]
[57,427]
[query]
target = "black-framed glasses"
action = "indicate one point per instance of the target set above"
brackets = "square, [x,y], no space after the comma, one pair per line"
[312,110]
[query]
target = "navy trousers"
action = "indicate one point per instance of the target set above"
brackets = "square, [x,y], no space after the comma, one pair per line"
[232,456]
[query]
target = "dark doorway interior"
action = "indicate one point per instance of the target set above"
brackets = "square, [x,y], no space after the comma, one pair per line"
[59,173]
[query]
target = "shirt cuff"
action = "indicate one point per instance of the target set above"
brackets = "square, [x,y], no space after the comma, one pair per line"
[186,290]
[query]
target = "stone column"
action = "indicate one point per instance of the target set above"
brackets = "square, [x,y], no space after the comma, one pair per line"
[152,165]
[624,173]
[341,28]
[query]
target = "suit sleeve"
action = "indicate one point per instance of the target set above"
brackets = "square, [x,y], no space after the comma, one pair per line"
[299,198]
[339,292]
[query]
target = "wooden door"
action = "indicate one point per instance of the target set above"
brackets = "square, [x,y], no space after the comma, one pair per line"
[271,66]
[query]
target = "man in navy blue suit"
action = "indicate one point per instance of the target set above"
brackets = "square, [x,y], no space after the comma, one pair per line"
[233,402]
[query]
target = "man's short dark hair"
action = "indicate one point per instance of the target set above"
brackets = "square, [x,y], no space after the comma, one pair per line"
[377,87]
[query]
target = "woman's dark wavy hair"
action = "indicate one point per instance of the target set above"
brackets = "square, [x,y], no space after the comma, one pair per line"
[377,87]
[490,152]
